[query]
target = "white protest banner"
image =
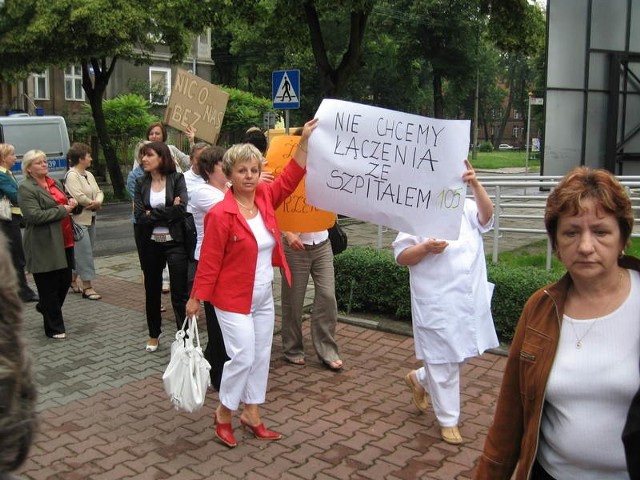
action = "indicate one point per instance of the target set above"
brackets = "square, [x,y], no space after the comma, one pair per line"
[198,104]
[391,168]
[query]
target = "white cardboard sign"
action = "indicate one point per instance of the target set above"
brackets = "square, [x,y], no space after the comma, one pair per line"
[391,168]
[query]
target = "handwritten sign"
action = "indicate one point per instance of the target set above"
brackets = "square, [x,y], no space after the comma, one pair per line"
[295,214]
[198,104]
[395,169]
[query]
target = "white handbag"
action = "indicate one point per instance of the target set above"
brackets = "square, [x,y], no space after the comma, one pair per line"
[186,378]
[5,209]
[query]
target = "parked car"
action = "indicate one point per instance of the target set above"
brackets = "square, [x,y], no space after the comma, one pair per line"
[505,146]
[46,133]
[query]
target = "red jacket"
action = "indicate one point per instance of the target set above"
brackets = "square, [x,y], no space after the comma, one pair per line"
[229,254]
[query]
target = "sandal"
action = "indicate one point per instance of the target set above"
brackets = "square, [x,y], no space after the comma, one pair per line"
[295,361]
[75,288]
[335,366]
[92,295]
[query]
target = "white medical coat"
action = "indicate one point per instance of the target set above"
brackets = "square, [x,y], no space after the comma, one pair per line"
[451,296]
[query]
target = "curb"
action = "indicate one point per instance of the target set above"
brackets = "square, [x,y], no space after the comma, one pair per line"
[401,328]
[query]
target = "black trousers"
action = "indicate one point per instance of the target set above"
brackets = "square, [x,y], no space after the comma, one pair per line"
[12,230]
[52,289]
[215,353]
[539,473]
[154,256]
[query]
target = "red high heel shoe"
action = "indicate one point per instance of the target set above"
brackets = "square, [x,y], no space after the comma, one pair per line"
[224,432]
[261,432]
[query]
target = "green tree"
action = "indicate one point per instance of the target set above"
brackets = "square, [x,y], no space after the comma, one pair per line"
[415,55]
[95,34]
[322,38]
[243,110]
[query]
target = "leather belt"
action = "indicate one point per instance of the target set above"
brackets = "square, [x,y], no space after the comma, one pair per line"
[161,237]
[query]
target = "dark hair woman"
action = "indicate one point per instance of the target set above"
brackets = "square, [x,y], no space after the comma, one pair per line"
[159,210]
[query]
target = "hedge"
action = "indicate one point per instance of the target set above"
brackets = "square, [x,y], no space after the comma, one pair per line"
[369,281]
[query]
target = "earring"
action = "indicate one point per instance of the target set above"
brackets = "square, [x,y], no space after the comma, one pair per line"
[622,254]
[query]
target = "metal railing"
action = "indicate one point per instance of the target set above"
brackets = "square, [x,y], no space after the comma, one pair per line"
[520,201]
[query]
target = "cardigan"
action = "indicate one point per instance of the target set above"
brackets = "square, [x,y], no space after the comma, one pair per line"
[43,239]
[84,189]
[512,441]
[228,257]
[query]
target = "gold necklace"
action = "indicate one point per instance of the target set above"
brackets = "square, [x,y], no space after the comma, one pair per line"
[579,339]
[248,209]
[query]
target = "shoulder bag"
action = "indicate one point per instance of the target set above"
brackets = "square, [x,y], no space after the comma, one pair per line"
[78,233]
[190,235]
[186,378]
[338,238]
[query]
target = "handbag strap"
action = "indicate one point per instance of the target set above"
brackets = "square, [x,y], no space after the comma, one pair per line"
[192,329]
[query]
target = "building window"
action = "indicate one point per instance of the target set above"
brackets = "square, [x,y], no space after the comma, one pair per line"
[517,131]
[159,85]
[517,115]
[41,85]
[73,83]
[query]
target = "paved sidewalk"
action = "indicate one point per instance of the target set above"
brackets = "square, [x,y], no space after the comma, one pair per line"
[104,414]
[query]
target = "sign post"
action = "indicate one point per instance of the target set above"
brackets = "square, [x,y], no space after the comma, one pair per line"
[285,88]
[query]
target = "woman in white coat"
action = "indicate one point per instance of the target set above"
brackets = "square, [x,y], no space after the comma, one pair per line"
[450,306]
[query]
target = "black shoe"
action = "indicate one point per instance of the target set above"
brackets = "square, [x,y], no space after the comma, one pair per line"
[30,298]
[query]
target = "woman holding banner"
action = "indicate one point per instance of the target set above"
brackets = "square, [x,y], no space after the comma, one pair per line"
[309,253]
[450,306]
[235,273]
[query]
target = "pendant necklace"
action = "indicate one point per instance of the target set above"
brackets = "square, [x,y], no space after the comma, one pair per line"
[579,339]
[250,210]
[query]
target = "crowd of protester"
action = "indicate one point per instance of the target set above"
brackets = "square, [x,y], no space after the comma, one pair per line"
[571,382]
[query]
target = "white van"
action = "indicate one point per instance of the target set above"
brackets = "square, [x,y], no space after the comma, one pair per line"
[46,133]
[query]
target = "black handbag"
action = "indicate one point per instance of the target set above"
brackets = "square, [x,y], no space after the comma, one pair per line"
[190,235]
[338,238]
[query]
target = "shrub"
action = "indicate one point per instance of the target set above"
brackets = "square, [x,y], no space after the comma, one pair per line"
[485,147]
[369,281]
[514,285]
[243,111]
[127,114]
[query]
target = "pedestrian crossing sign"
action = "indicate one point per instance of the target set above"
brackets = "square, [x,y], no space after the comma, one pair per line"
[286,89]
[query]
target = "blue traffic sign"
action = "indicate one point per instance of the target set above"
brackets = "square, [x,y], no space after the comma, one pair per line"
[285,87]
